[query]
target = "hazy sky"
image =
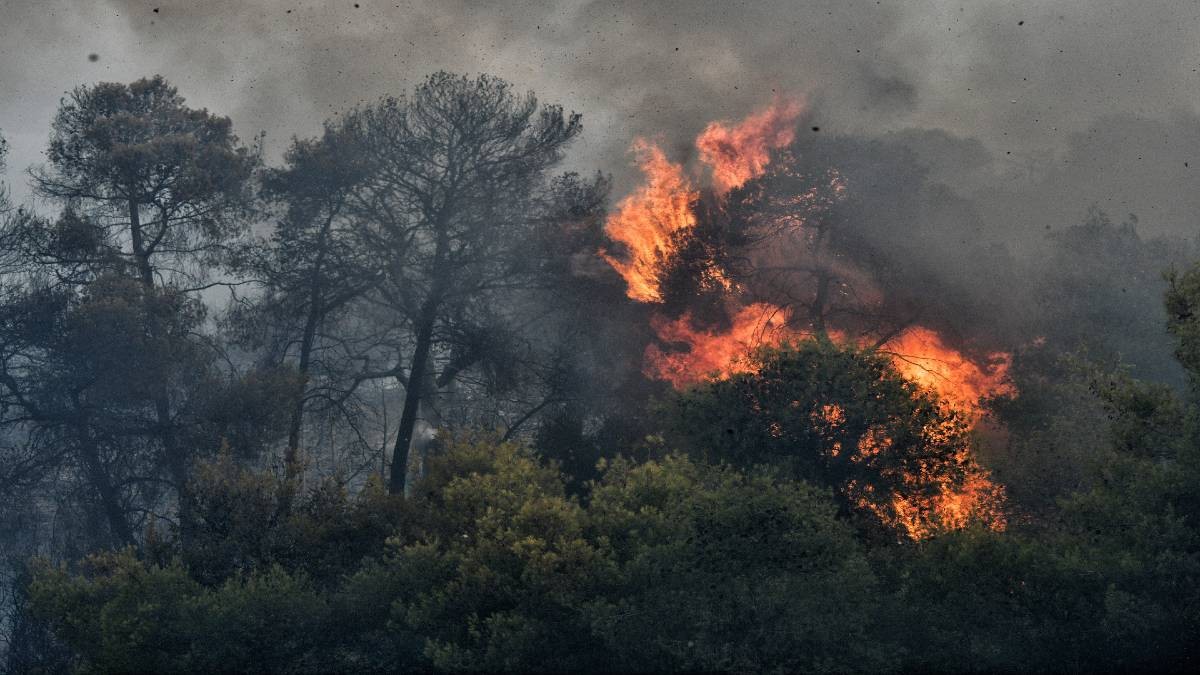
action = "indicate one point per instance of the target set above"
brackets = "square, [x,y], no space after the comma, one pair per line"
[1034,109]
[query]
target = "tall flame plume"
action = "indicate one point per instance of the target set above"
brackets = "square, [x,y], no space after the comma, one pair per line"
[646,221]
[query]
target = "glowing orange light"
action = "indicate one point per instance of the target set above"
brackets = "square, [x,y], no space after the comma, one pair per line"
[646,220]
[708,353]
[742,151]
[918,353]
[922,356]
[978,499]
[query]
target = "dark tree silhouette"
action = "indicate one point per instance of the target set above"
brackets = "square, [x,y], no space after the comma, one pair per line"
[456,177]
[100,330]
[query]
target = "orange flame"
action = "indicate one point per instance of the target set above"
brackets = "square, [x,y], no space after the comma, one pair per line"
[918,353]
[922,356]
[740,152]
[646,220]
[712,353]
[648,224]
[978,499]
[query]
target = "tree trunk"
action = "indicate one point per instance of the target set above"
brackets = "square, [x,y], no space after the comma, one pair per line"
[291,459]
[420,361]
[290,454]
[820,300]
[824,279]
[140,254]
[315,311]
[428,422]
[118,524]
[176,463]
[412,400]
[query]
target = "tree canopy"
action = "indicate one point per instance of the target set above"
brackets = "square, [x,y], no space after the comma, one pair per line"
[385,404]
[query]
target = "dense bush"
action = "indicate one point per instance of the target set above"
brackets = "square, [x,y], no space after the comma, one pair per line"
[663,565]
[249,508]
[670,565]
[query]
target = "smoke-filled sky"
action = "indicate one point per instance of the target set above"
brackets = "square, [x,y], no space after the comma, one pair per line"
[1032,109]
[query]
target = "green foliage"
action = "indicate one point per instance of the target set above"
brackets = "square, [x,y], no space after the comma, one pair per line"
[668,565]
[1072,418]
[1138,528]
[422,241]
[123,615]
[1112,588]
[104,371]
[672,565]
[1183,317]
[663,565]
[257,622]
[140,143]
[561,438]
[1106,581]
[723,571]
[1144,419]
[1101,288]
[246,521]
[840,417]
[986,601]
[245,413]
[511,565]
[119,614]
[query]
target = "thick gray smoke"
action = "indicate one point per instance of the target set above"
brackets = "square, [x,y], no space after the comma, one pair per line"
[1027,112]
[1071,102]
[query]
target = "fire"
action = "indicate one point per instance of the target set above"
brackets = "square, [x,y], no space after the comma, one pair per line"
[646,220]
[978,499]
[710,353]
[650,224]
[740,152]
[921,356]
[918,353]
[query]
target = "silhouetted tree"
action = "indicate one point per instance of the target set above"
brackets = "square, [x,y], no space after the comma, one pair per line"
[311,269]
[100,346]
[456,178]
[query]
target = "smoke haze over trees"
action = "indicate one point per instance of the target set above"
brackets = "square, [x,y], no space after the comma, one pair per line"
[599,336]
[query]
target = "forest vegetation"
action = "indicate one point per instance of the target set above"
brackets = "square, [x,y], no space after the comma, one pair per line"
[415,397]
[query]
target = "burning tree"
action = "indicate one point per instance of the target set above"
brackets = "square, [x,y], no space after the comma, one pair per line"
[768,253]
[846,419]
